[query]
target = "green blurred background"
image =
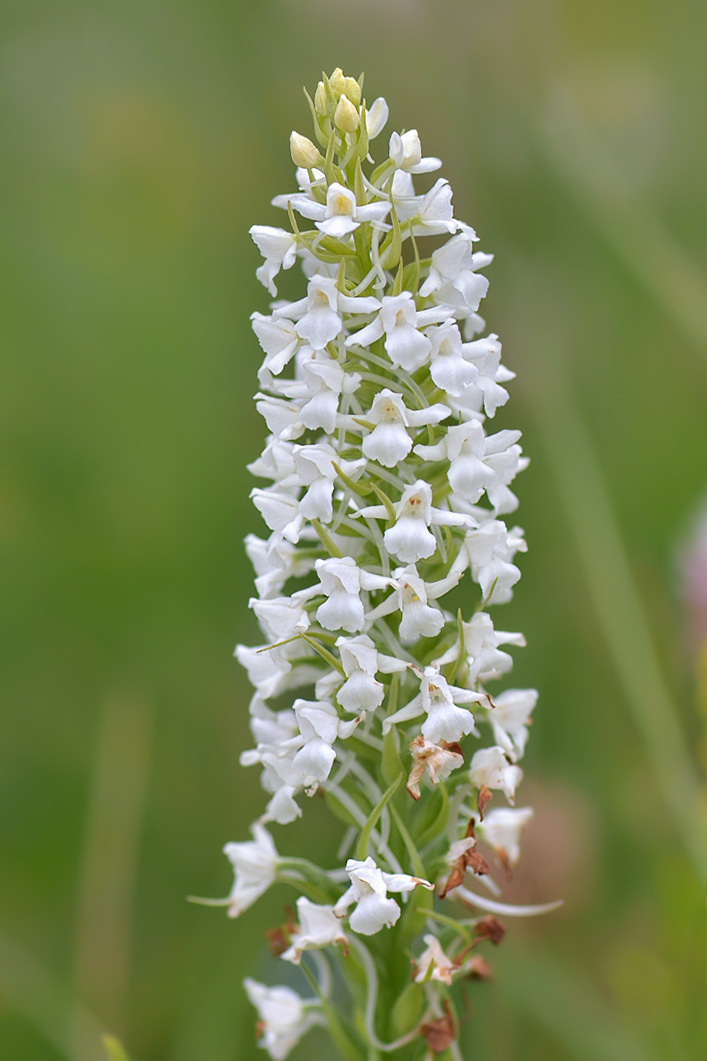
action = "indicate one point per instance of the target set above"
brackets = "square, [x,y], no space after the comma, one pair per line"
[140,140]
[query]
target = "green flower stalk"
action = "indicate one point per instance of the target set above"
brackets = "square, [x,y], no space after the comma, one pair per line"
[386,496]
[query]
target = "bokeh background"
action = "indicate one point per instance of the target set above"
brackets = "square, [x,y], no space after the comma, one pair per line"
[139,142]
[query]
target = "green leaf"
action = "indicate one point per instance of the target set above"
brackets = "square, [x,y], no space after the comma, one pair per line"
[343,1041]
[354,487]
[338,809]
[385,501]
[324,653]
[433,820]
[412,851]
[326,539]
[391,253]
[113,1048]
[362,845]
[392,764]
[407,1009]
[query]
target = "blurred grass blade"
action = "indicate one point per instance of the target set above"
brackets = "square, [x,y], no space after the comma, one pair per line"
[563,1002]
[616,600]
[34,991]
[637,235]
[109,861]
[114,1049]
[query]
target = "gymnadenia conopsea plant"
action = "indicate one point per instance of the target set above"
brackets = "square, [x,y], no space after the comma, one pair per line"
[386,495]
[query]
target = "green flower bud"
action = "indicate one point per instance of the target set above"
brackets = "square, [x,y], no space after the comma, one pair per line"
[338,82]
[320,100]
[346,116]
[304,152]
[353,91]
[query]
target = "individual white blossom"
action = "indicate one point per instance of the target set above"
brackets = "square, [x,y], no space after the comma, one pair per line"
[255,865]
[437,759]
[453,279]
[318,316]
[318,927]
[433,963]
[510,719]
[400,321]
[405,150]
[279,248]
[340,215]
[410,538]
[376,117]
[361,661]
[389,442]
[342,581]
[369,887]
[445,721]
[491,768]
[411,596]
[485,660]
[284,1017]
[501,828]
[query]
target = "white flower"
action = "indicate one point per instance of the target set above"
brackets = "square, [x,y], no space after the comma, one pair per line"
[284,1017]
[280,617]
[445,721]
[438,700]
[434,963]
[448,367]
[376,117]
[435,214]
[318,315]
[491,768]
[271,727]
[319,727]
[406,152]
[318,927]
[279,248]
[491,548]
[502,827]
[486,355]
[438,759]
[389,441]
[342,581]
[279,341]
[369,888]
[510,718]
[341,214]
[281,417]
[280,511]
[274,561]
[255,864]
[361,662]
[484,658]
[410,538]
[359,658]
[315,468]
[324,381]
[410,596]
[452,278]
[270,670]
[399,320]
[478,463]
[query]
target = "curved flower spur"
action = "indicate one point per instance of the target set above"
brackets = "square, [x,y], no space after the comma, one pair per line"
[384,493]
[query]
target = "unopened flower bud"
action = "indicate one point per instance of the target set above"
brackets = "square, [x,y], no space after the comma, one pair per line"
[353,90]
[304,152]
[338,82]
[346,116]
[320,101]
